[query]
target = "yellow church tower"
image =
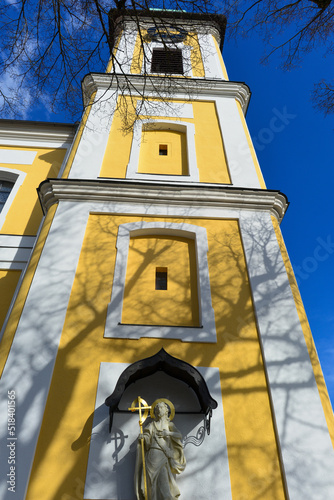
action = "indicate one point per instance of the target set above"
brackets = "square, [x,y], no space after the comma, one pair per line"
[158,283]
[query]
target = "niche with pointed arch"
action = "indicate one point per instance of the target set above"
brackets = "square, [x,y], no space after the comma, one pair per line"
[194,392]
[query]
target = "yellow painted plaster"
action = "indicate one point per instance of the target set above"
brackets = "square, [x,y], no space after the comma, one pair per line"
[211,160]
[251,147]
[8,284]
[25,213]
[326,404]
[67,423]
[176,160]
[221,59]
[210,153]
[10,330]
[117,153]
[138,54]
[143,304]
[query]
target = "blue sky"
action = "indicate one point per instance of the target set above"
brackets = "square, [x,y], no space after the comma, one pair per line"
[297,159]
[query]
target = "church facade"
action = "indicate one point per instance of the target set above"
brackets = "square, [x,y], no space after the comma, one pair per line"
[150,263]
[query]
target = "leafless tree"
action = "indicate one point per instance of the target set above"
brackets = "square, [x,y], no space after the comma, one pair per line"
[48,46]
[291,29]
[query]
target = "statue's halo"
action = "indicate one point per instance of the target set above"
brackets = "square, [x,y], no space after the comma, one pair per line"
[168,403]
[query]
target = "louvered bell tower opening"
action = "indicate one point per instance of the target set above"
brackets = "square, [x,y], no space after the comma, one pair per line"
[167,61]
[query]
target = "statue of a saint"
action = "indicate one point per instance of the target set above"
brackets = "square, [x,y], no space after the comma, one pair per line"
[164,457]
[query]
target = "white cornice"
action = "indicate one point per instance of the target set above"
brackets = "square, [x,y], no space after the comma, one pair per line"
[13,132]
[148,84]
[197,26]
[187,195]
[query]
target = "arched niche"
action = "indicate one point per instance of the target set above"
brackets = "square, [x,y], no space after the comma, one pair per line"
[173,367]
[112,453]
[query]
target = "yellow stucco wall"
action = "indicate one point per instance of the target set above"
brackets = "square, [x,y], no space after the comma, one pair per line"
[138,54]
[25,213]
[143,304]
[66,428]
[176,160]
[208,143]
[8,283]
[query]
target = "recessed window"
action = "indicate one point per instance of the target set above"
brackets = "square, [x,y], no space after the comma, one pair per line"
[163,150]
[161,278]
[5,189]
[167,61]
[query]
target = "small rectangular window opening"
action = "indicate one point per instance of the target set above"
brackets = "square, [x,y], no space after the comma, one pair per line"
[163,149]
[161,278]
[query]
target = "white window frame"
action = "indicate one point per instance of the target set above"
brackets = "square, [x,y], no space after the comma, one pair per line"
[184,127]
[10,175]
[115,329]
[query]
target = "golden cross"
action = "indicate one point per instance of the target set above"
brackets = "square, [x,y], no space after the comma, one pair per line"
[142,405]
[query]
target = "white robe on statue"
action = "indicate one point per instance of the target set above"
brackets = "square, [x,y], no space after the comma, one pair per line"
[164,458]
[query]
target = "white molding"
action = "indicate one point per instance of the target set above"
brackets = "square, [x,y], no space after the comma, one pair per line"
[114,328]
[12,175]
[15,251]
[36,134]
[301,428]
[193,25]
[210,57]
[160,124]
[181,88]
[165,109]
[141,197]
[17,156]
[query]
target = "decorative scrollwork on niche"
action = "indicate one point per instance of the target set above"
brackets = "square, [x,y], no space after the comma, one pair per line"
[162,361]
[195,440]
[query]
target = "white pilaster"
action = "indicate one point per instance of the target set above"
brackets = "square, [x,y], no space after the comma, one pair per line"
[30,363]
[238,154]
[89,156]
[210,57]
[303,435]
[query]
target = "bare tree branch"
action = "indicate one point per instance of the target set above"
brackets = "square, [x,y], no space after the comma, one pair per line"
[323,97]
[47,47]
[291,28]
